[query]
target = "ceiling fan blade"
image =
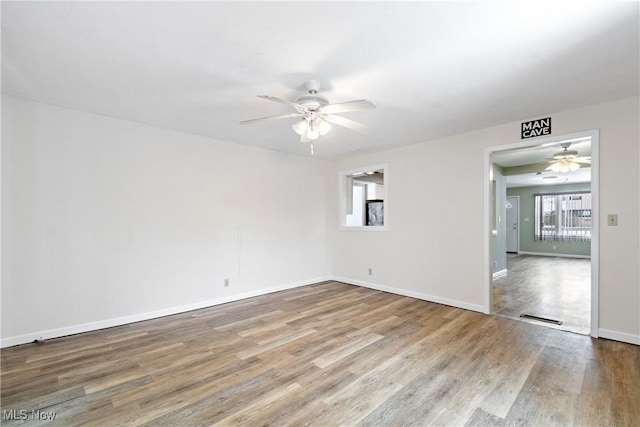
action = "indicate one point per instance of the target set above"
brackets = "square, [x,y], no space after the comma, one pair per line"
[344,107]
[282,116]
[301,108]
[585,160]
[347,123]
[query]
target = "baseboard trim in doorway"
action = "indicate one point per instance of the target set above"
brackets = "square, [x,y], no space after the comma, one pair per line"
[499,273]
[555,254]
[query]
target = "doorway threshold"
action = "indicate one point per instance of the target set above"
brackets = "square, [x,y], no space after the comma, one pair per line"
[536,322]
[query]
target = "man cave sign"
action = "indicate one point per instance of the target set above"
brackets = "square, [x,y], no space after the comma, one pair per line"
[540,127]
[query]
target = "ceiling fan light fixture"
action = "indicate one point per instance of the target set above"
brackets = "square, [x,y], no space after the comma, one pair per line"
[555,167]
[312,132]
[564,166]
[300,126]
[313,128]
[323,126]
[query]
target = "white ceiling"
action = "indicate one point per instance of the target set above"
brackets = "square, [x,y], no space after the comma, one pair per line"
[432,68]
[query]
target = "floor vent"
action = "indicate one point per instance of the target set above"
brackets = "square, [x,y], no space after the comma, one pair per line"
[541,319]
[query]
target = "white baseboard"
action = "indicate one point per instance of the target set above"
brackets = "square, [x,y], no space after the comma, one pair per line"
[412,294]
[500,273]
[108,323]
[555,254]
[619,336]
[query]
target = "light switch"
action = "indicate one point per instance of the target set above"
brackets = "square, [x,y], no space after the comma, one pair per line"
[612,220]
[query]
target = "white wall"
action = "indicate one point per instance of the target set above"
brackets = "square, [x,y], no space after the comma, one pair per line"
[434,246]
[106,221]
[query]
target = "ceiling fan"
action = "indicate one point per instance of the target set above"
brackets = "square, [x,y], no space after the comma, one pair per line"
[316,115]
[567,160]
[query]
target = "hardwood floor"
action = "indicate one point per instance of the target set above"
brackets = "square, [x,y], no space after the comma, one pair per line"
[327,354]
[550,287]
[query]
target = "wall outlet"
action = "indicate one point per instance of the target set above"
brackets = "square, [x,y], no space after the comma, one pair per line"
[612,220]
[370,272]
[226,282]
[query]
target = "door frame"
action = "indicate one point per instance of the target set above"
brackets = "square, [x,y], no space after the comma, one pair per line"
[595,216]
[517,219]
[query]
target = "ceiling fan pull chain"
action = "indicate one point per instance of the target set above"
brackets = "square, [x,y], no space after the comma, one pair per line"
[312,148]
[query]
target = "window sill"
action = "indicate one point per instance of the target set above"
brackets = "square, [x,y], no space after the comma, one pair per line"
[363,228]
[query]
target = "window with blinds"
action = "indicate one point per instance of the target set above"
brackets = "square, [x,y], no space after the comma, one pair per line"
[563,216]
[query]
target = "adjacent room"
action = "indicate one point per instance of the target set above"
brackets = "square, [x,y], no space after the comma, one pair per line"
[320,213]
[544,211]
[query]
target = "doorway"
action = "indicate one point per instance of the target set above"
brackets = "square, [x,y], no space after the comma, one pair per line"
[543,269]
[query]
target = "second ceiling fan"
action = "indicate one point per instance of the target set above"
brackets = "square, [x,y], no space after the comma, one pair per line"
[567,160]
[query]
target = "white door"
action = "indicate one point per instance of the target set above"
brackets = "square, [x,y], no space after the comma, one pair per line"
[513,203]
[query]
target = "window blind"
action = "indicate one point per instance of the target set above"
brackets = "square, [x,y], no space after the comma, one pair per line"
[563,216]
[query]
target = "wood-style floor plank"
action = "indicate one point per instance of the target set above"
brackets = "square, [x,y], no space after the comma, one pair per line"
[556,288]
[326,354]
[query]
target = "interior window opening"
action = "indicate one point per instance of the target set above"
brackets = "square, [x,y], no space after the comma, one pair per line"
[363,198]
